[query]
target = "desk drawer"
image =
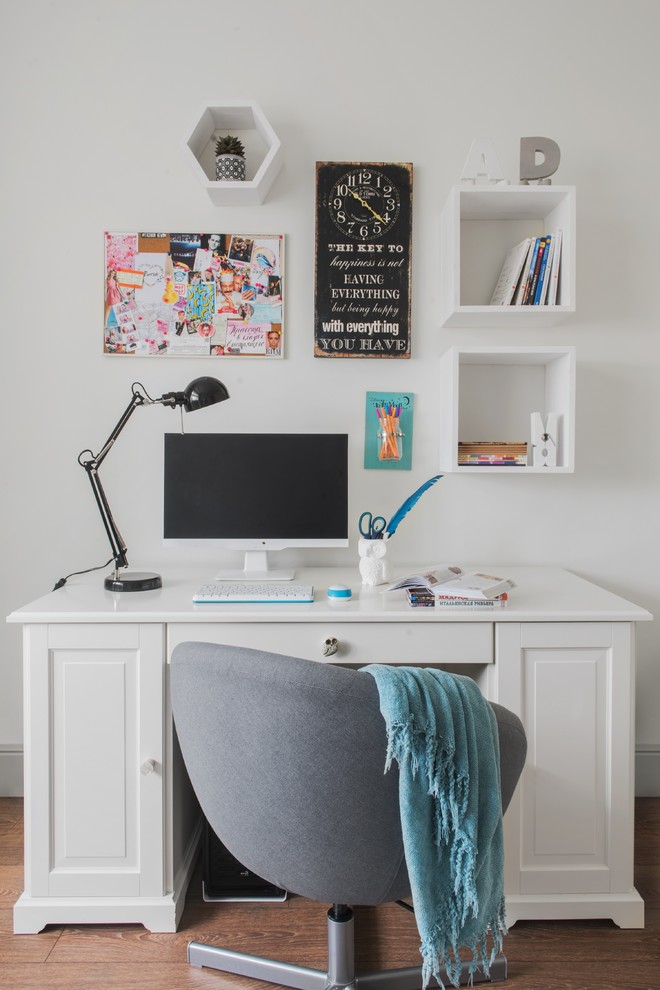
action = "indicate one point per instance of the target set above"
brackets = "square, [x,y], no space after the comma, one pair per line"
[357,642]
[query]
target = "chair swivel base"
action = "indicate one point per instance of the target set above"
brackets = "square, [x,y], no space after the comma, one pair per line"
[341,966]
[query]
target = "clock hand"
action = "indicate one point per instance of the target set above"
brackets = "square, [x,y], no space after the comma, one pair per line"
[366,205]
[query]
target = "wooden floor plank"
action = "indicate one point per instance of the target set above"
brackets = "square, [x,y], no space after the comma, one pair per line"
[582,941]
[11,813]
[647,814]
[11,885]
[11,845]
[647,882]
[584,955]
[25,948]
[122,976]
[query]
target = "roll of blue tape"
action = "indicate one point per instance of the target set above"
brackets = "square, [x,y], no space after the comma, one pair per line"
[339,592]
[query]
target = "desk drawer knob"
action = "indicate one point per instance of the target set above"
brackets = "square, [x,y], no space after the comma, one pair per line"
[330,646]
[148,767]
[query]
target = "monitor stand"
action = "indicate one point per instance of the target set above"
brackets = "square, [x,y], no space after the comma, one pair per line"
[255,568]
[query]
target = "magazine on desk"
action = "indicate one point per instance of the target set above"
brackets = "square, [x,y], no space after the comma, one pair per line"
[453,582]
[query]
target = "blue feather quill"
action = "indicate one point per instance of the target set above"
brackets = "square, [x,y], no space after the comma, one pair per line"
[404,509]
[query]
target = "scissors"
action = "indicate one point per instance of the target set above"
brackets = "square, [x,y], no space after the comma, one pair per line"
[371,527]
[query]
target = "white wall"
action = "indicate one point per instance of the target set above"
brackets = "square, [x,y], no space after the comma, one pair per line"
[97,99]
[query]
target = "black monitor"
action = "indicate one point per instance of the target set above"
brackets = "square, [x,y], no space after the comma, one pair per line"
[256,492]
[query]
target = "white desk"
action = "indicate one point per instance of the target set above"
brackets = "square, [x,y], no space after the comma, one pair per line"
[111,827]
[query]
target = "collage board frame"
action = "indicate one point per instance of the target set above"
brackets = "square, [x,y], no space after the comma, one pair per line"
[194,295]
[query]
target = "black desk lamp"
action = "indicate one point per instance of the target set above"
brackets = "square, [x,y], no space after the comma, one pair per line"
[201,392]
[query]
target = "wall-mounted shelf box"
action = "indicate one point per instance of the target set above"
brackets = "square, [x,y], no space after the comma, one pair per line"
[490,393]
[263,151]
[478,226]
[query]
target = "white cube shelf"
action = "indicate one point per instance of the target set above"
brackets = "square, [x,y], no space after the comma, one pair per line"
[489,394]
[263,151]
[478,226]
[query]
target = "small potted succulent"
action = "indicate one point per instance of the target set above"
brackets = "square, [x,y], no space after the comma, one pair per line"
[229,159]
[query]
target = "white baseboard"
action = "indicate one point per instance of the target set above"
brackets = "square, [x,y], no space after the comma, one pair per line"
[11,770]
[647,771]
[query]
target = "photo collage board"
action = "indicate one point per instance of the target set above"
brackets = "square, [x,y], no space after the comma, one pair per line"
[193,295]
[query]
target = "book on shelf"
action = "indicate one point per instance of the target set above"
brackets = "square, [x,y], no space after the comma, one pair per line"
[452,581]
[513,446]
[539,272]
[524,274]
[421,598]
[544,277]
[492,462]
[528,273]
[534,275]
[510,274]
[553,278]
[494,453]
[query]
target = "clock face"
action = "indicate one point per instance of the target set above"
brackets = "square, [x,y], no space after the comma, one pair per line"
[364,204]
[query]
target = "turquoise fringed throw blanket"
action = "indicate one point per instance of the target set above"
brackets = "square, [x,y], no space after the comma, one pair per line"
[443,735]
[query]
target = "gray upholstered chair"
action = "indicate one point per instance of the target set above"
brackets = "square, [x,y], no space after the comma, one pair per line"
[287,759]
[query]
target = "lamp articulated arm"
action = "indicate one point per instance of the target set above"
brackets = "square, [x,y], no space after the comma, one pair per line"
[119,549]
[92,465]
[201,392]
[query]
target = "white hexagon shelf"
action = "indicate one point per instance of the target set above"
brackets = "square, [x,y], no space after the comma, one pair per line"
[263,151]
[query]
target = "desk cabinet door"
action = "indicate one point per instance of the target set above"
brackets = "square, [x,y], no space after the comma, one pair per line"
[94,746]
[572,684]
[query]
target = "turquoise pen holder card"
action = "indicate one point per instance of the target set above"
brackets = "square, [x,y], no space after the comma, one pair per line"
[388,431]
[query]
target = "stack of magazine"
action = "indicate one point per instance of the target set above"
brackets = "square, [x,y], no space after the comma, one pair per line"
[451,586]
[492,453]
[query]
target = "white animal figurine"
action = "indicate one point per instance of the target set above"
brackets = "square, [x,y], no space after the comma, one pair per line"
[374,568]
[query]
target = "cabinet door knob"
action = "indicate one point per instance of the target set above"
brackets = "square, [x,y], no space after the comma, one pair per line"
[330,646]
[147,767]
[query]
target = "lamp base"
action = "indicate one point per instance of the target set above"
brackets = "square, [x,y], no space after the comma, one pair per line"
[132,581]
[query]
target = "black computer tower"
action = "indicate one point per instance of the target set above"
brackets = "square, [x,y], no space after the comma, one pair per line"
[225,879]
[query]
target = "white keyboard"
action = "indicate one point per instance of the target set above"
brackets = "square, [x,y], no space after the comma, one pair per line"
[254,591]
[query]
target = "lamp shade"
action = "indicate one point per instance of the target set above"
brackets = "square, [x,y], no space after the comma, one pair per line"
[202,392]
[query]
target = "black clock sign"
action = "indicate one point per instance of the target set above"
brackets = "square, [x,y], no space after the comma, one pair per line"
[363,250]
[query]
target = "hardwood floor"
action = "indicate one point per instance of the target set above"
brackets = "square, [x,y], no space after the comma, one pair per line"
[589,955]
